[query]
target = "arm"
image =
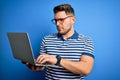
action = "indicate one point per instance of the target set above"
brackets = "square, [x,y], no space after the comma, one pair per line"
[84,66]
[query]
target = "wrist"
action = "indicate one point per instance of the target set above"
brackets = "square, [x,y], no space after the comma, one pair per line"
[58,60]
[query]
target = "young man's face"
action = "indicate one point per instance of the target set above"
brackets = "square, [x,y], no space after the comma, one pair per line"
[64,22]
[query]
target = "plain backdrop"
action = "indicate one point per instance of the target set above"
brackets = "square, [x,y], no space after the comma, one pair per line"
[98,19]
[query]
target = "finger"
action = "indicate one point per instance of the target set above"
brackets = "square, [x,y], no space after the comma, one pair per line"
[33,67]
[43,61]
[27,63]
[39,68]
[38,59]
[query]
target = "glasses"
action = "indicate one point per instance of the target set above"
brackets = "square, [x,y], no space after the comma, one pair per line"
[60,20]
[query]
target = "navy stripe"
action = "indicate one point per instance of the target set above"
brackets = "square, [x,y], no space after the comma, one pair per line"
[89,55]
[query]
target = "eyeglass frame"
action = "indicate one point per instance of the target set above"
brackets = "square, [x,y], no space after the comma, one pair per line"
[60,20]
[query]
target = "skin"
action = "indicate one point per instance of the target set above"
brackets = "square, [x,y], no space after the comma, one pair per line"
[84,66]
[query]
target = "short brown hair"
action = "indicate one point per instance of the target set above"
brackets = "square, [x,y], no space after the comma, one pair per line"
[64,7]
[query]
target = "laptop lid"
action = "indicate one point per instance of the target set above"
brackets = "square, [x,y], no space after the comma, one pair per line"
[21,46]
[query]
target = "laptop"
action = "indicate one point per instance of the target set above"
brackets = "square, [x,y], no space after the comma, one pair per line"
[21,48]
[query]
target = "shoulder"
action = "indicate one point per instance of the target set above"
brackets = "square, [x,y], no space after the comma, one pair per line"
[50,36]
[84,38]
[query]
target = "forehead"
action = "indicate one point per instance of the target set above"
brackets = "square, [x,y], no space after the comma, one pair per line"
[60,14]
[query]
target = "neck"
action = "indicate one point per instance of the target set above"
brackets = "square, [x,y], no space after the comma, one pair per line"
[68,34]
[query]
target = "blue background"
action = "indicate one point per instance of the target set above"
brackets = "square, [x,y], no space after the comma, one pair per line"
[98,19]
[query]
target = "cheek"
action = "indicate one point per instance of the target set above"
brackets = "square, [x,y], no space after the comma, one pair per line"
[67,23]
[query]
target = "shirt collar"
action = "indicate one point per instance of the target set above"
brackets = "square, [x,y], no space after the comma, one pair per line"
[74,36]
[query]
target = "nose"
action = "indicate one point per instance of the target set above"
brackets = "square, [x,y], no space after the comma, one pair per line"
[57,23]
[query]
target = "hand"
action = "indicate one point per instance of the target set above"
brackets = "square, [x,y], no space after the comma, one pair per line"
[35,68]
[32,67]
[46,58]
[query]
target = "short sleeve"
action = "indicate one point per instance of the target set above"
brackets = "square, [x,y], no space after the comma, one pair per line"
[89,47]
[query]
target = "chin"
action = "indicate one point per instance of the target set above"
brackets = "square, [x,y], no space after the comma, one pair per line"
[62,33]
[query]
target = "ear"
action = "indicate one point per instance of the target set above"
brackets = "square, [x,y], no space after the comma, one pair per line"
[73,19]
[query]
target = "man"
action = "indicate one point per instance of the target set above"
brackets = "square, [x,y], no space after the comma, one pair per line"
[70,52]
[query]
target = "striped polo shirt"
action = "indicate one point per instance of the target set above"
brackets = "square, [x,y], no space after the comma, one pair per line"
[71,49]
